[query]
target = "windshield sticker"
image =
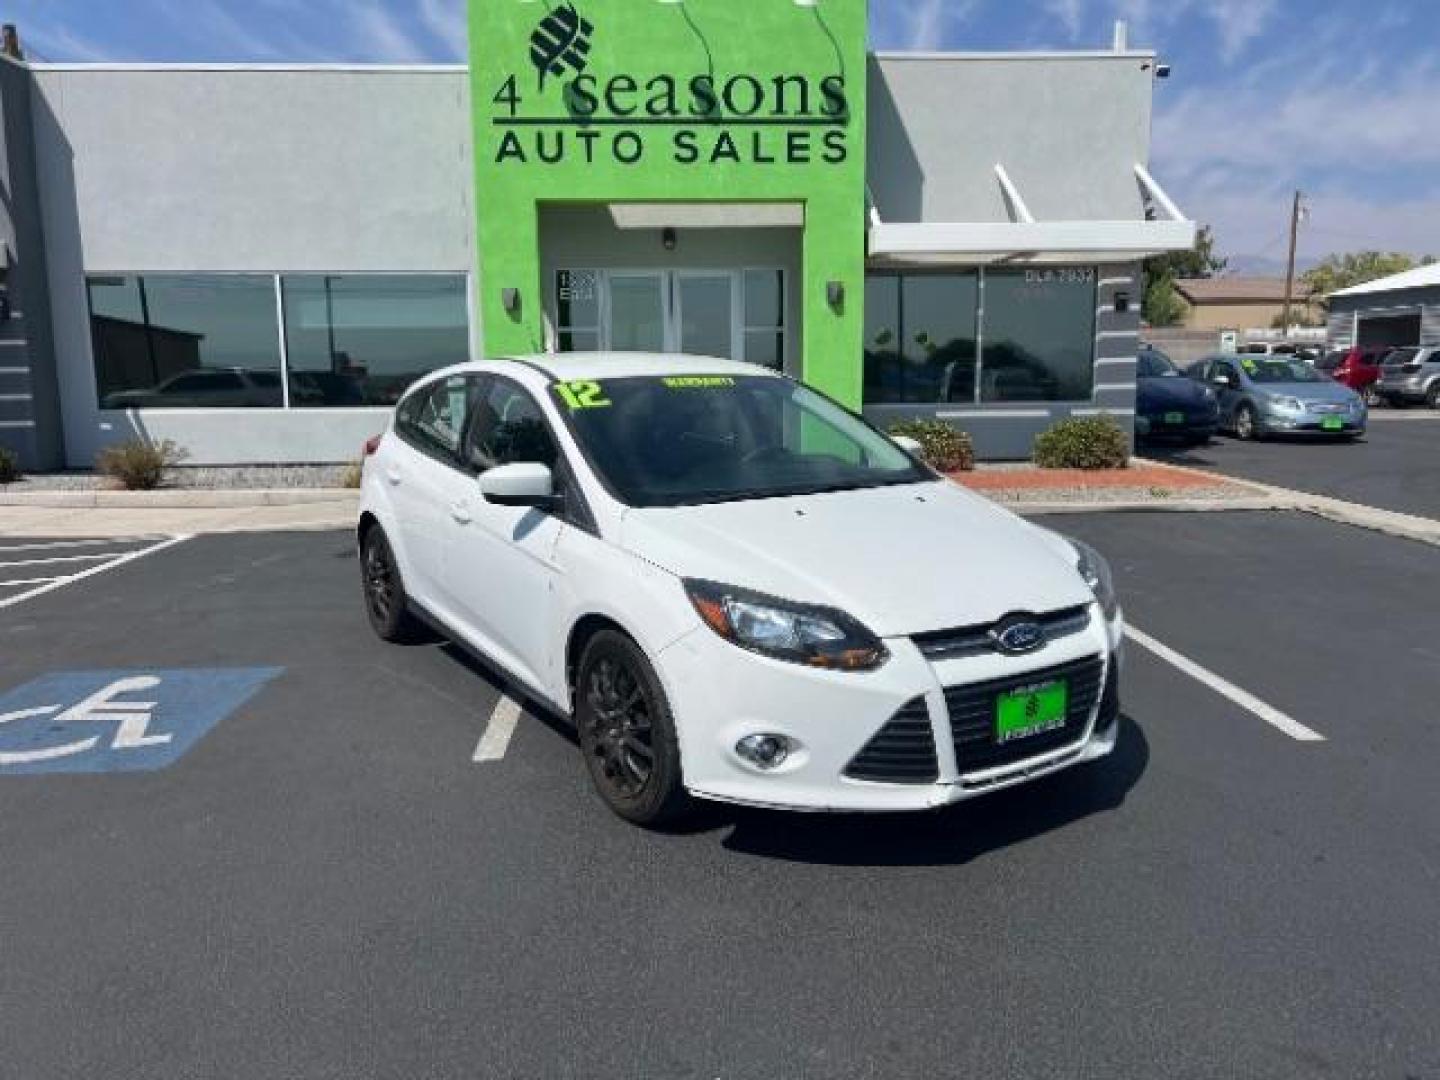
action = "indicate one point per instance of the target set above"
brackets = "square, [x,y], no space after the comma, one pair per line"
[582,395]
[1248,365]
[699,382]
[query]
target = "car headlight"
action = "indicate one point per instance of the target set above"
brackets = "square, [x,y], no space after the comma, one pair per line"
[1096,572]
[806,634]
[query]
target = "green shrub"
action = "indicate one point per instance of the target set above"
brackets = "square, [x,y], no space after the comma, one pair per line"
[353,475]
[1087,442]
[9,466]
[943,447]
[139,465]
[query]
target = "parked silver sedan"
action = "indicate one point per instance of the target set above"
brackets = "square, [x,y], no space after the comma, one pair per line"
[1280,395]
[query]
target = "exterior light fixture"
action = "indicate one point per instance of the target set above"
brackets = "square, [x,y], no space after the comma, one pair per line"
[510,298]
[669,238]
[835,293]
[1122,303]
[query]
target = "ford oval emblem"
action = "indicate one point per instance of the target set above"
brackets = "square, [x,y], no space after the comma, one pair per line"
[1018,634]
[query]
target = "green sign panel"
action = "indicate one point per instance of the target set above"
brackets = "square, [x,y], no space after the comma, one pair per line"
[612,101]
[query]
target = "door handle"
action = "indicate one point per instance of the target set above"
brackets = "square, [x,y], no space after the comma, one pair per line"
[460,513]
[393,475]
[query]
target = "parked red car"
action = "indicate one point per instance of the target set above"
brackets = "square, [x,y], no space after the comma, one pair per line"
[1357,367]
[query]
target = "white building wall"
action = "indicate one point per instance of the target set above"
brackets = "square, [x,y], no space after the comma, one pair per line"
[215,169]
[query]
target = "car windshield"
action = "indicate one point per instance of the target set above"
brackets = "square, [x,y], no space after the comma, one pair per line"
[1154,364]
[1279,369]
[688,440]
[1401,356]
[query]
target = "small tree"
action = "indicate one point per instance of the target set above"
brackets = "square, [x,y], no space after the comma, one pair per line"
[1162,304]
[1336,272]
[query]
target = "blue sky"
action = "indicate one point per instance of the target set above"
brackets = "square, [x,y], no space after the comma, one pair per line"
[1338,97]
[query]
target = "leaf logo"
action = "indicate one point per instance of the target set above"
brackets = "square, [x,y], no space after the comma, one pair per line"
[561,42]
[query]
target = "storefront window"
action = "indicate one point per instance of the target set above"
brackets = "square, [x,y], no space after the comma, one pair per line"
[1039,335]
[185,342]
[577,309]
[920,338]
[362,339]
[1036,336]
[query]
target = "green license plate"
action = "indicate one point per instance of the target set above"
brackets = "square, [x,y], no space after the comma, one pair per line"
[1174,418]
[1332,423]
[1030,711]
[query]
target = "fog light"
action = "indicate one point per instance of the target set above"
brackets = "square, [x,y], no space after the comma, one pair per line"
[764,751]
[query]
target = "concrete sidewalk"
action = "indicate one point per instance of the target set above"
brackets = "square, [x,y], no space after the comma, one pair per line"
[154,513]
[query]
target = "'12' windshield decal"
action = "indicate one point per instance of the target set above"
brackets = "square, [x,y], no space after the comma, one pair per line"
[582,395]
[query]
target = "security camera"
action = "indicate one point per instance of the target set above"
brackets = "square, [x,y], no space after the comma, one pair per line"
[1162,71]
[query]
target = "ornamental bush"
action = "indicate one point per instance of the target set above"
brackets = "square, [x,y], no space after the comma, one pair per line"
[139,465]
[943,447]
[1083,442]
[9,466]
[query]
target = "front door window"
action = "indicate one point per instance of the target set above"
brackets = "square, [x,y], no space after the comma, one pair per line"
[737,314]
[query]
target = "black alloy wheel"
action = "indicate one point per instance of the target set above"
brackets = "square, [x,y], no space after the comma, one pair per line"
[385,602]
[626,732]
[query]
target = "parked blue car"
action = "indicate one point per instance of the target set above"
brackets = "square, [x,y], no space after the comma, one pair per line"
[1168,405]
[1279,395]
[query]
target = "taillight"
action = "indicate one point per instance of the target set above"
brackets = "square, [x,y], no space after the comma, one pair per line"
[372,444]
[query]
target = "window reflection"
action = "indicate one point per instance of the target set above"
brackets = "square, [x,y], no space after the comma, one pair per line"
[920,338]
[186,342]
[361,340]
[1039,335]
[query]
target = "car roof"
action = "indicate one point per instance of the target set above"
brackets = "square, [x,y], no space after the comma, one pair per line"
[572,367]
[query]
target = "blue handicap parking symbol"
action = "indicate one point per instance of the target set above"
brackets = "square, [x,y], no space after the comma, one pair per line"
[117,721]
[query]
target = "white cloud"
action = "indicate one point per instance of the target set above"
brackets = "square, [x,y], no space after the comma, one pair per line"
[445,20]
[1070,14]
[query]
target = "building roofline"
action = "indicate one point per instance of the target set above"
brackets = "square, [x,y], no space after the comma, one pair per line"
[1038,54]
[142,66]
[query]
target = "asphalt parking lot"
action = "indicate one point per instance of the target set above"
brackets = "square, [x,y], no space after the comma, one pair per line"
[1395,467]
[316,877]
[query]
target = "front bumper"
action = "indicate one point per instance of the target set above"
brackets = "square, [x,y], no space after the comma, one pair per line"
[1402,390]
[1159,425]
[721,694]
[1274,423]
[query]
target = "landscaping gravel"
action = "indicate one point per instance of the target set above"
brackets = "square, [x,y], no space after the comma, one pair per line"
[236,478]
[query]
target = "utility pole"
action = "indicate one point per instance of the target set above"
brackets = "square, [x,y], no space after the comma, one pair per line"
[1290,266]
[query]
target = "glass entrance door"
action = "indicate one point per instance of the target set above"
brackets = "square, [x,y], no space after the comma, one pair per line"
[705,313]
[637,312]
[737,314]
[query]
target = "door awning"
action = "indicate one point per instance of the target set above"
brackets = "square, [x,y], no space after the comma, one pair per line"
[1024,240]
[708,215]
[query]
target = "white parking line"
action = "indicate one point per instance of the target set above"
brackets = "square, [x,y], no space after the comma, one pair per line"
[496,740]
[70,579]
[58,558]
[1246,700]
[6,549]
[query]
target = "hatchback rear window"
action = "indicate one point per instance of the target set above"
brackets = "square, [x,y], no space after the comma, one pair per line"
[1330,361]
[1401,356]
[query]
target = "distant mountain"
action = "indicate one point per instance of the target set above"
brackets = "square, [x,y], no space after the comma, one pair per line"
[1265,266]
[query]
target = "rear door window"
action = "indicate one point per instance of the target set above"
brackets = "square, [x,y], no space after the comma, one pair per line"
[433,418]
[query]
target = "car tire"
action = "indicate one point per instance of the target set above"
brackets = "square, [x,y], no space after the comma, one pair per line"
[1247,424]
[627,733]
[1372,397]
[386,604]
[1432,396]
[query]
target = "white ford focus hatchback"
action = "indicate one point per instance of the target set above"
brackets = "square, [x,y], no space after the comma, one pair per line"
[737,589]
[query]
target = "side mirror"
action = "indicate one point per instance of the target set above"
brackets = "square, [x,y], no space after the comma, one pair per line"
[1227,381]
[909,445]
[522,484]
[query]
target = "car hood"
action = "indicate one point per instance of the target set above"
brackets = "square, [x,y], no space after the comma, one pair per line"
[1330,392]
[902,560]
[1162,391]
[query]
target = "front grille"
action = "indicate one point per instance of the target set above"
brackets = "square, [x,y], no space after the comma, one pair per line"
[1325,408]
[972,715]
[902,752]
[976,641]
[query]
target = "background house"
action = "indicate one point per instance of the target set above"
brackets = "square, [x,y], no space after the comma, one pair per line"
[1242,303]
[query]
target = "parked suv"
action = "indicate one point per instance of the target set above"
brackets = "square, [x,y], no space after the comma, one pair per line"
[1357,368]
[1411,375]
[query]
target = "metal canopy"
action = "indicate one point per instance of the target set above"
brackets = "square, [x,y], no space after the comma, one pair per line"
[1025,240]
